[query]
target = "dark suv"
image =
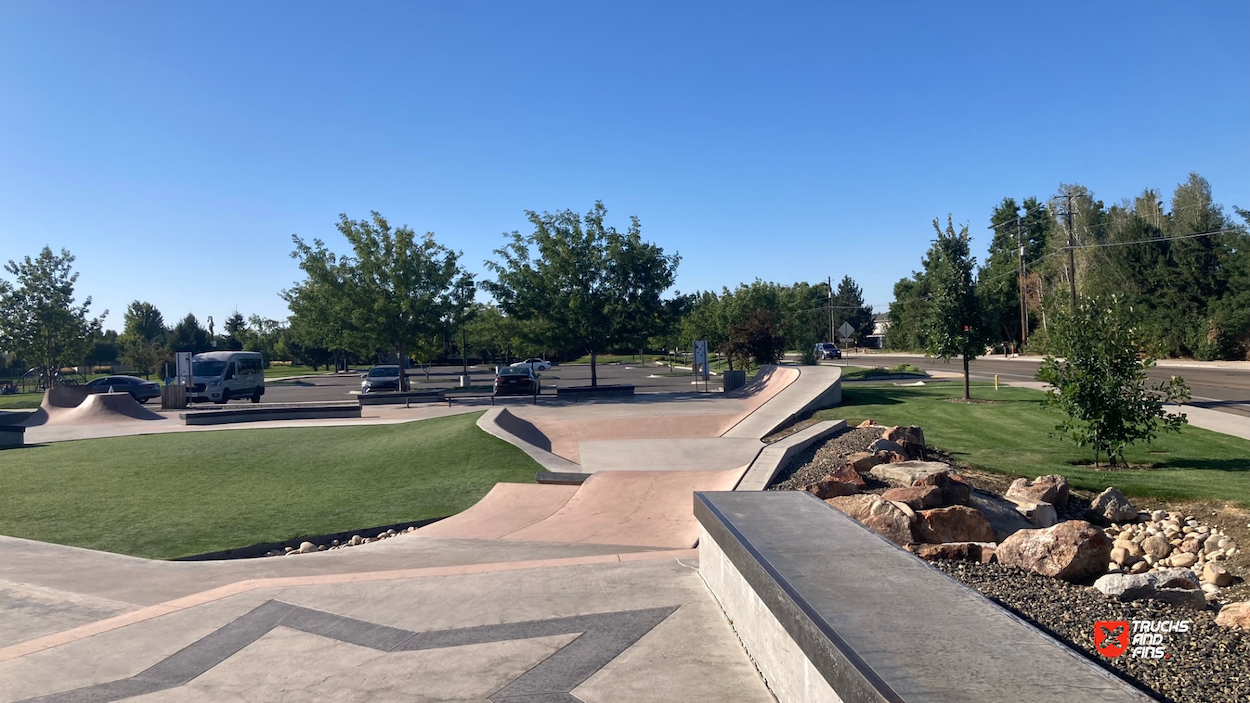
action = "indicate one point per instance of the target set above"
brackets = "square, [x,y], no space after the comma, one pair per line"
[828,350]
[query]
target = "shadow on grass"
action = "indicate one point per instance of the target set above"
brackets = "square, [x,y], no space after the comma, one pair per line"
[1206,464]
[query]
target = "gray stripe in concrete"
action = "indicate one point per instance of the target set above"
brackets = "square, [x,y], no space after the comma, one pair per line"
[603,636]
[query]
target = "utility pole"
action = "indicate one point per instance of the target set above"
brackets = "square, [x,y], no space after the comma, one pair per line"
[1071,252]
[1024,309]
[830,281]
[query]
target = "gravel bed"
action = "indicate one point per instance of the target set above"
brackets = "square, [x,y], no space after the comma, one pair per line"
[1207,664]
[815,462]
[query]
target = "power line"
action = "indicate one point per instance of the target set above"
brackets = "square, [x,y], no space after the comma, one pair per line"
[1192,235]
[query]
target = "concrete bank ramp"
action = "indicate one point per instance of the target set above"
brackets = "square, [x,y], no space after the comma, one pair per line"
[95,408]
[630,508]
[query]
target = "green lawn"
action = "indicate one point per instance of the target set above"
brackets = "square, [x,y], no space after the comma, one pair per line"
[1012,436]
[284,371]
[172,495]
[860,373]
[20,401]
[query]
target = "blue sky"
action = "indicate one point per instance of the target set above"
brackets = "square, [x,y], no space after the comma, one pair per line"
[175,147]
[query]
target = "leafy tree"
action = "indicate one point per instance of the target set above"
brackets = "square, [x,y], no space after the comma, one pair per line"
[143,321]
[143,356]
[955,324]
[39,320]
[104,348]
[587,285]
[393,293]
[1101,384]
[321,304]
[756,338]
[188,335]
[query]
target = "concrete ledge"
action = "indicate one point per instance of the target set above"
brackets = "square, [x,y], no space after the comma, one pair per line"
[560,478]
[776,456]
[579,392]
[402,398]
[223,417]
[830,611]
[12,435]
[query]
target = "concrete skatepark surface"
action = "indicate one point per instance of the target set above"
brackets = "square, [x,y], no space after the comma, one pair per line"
[490,604]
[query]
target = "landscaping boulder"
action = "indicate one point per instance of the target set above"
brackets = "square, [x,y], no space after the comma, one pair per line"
[1216,575]
[1174,586]
[885,445]
[1003,515]
[832,488]
[916,497]
[1051,489]
[1112,506]
[863,461]
[1156,546]
[891,457]
[878,515]
[1071,550]
[954,524]
[1235,615]
[1038,514]
[912,517]
[905,473]
[911,439]
[955,490]
[846,474]
[865,423]
[982,552]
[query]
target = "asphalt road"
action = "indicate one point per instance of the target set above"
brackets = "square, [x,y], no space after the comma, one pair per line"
[1227,390]
[340,387]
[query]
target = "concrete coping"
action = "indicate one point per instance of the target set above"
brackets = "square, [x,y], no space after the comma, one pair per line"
[222,417]
[831,611]
[776,456]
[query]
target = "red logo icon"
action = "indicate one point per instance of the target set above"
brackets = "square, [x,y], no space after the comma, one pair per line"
[1111,637]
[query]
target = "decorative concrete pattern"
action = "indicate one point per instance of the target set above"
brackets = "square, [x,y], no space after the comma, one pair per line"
[600,638]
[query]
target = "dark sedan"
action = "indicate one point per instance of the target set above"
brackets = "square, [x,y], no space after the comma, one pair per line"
[139,389]
[516,380]
[380,378]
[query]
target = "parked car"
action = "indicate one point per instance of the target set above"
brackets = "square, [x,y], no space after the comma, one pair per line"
[139,389]
[535,363]
[380,378]
[828,350]
[225,375]
[517,380]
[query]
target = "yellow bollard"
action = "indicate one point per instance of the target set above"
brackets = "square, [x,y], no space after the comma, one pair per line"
[995,381]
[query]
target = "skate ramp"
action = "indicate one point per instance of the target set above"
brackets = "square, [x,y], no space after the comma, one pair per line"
[508,507]
[92,409]
[628,508]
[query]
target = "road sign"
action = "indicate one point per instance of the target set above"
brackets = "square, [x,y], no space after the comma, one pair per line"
[700,358]
[184,367]
[846,330]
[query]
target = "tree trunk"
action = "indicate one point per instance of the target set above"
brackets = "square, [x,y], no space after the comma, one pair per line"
[967,396]
[594,378]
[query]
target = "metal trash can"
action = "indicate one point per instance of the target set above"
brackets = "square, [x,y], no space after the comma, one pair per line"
[734,380]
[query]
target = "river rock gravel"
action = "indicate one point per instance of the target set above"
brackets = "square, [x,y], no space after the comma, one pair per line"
[1207,664]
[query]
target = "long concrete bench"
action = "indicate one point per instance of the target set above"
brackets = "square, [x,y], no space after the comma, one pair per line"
[223,417]
[831,611]
[605,391]
[405,398]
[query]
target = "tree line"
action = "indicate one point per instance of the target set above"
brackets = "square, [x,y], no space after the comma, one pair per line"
[571,285]
[1181,270]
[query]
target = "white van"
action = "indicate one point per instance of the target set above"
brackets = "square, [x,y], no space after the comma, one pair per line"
[220,376]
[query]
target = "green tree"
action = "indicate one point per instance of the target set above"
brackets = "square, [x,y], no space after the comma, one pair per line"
[188,335]
[587,285]
[1101,384]
[756,338]
[143,321]
[955,325]
[395,289]
[849,306]
[39,319]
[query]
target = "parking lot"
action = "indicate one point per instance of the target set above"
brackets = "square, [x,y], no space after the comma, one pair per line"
[647,378]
